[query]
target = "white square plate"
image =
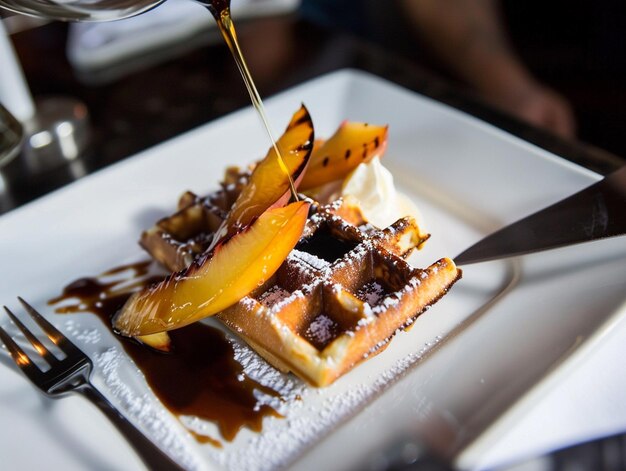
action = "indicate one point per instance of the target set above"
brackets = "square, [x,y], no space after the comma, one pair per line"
[494,342]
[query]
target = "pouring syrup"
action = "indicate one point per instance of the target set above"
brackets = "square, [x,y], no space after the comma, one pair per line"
[220,9]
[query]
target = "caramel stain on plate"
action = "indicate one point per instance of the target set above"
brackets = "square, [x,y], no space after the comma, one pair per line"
[199,377]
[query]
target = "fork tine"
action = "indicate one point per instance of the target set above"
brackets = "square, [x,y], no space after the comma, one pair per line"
[19,356]
[40,347]
[54,334]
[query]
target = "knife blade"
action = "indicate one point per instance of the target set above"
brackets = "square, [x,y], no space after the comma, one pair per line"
[596,212]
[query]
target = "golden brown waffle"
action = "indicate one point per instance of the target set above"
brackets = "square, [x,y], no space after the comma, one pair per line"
[338,298]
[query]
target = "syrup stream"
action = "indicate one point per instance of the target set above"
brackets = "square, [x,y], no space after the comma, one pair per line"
[221,11]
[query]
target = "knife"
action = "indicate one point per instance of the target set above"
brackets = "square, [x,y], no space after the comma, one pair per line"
[596,212]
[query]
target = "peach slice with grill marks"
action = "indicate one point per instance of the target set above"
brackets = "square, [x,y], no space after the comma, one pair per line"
[269,184]
[212,283]
[352,144]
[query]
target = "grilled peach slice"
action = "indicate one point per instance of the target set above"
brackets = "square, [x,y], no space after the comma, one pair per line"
[269,184]
[352,144]
[213,283]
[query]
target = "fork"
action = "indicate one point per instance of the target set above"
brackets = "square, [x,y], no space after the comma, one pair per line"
[71,374]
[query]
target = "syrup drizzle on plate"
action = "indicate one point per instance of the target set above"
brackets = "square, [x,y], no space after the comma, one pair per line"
[199,378]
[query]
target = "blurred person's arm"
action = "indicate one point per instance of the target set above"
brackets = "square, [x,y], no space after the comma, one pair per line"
[468,37]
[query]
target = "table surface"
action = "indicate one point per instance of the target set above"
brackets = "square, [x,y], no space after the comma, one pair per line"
[181,87]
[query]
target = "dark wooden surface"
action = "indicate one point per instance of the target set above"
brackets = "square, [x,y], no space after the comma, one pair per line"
[182,86]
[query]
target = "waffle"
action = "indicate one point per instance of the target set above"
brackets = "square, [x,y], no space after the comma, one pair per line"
[337,299]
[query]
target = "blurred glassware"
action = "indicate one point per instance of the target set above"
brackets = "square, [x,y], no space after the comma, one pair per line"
[80,10]
[54,130]
[58,133]
[11,135]
[14,93]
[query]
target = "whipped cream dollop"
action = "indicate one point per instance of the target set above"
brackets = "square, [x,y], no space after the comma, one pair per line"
[382,205]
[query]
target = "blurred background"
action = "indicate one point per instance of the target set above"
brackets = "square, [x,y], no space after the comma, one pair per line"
[575,49]
[578,48]
[551,72]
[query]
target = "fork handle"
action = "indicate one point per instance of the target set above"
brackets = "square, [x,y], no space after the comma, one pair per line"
[150,454]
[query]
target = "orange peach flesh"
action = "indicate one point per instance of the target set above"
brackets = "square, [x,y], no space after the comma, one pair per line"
[352,144]
[160,341]
[239,265]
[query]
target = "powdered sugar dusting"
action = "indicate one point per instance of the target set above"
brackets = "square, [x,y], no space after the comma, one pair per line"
[144,409]
[312,260]
[308,420]
[288,387]
[321,330]
[371,293]
[82,335]
[273,295]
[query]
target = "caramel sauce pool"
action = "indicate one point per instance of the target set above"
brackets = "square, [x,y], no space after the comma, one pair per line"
[199,377]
